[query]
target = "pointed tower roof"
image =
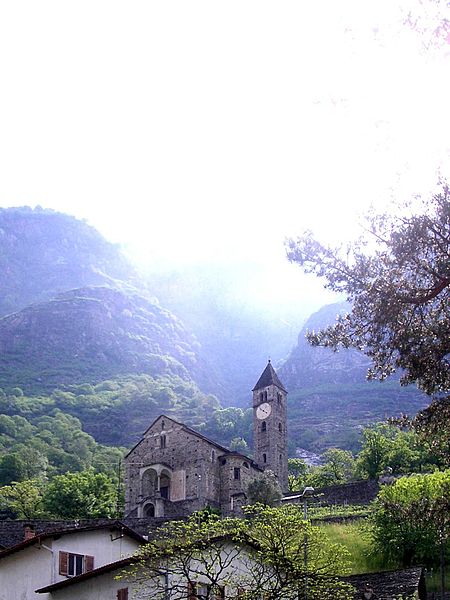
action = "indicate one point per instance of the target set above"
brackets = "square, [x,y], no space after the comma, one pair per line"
[269,377]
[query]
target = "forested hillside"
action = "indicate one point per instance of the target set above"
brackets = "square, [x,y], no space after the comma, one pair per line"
[83,425]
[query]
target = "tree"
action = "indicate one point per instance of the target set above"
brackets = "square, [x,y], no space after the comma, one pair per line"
[371,461]
[264,490]
[412,517]
[238,444]
[397,278]
[337,468]
[84,495]
[262,555]
[297,473]
[23,498]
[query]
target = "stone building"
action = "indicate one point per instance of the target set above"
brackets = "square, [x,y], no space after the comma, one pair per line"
[174,470]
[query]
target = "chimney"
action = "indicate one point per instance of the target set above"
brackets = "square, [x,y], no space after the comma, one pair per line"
[28,532]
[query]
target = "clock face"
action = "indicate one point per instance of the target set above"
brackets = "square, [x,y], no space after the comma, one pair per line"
[263,410]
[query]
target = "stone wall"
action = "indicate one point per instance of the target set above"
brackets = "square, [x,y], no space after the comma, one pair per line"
[355,492]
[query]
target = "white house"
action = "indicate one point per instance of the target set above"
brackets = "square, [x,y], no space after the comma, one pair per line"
[42,560]
[222,568]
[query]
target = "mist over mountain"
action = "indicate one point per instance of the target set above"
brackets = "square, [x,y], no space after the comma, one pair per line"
[236,334]
[308,366]
[78,316]
[43,252]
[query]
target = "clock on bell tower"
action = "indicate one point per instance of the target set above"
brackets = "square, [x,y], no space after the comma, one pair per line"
[270,425]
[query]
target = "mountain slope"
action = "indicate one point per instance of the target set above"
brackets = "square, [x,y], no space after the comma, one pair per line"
[43,253]
[89,335]
[330,400]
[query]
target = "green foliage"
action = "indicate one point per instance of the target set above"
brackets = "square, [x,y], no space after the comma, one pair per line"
[269,544]
[412,516]
[23,498]
[338,468]
[84,495]
[238,444]
[386,447]
[283,537]
[264,490]
[227,424]
[297,473]
[431,426]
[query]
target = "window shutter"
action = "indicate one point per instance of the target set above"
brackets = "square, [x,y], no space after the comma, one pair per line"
[122,594]
[88,563]
[220,592]
[192,591]
[63,562]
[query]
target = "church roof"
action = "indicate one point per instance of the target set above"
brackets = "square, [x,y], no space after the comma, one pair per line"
[226,451]
[269,377]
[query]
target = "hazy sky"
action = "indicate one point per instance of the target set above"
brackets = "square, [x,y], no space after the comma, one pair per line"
[204,129]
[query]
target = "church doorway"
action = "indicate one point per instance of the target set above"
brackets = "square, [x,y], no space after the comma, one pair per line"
[149,510]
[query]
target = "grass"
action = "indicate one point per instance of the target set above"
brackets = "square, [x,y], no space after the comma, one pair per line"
[337,510]
[355,537]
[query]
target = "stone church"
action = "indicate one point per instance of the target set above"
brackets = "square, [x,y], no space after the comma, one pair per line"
[174,470]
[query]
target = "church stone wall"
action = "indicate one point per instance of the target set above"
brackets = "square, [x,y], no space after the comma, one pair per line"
[190,461]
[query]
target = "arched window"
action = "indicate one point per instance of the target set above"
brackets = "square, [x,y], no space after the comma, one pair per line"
[264,458]
[149,483]
[265,395]
[263,426]
[163,424]
[280,427]
[162,441]
[164,486]
[213,455]
[149,510]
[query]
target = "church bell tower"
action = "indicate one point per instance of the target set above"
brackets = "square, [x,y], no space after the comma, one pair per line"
[270,425]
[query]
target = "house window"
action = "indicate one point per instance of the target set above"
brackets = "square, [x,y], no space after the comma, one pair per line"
[237,473]
[263,426]
[213,455]
[74,564]
[203,590]
[162,441]
[264,458]
[122,594]
[280,427]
